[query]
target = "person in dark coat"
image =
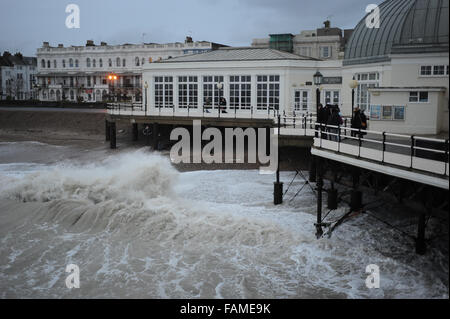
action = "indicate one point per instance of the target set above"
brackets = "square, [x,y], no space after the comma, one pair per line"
[223,105]
[334,120]
[359,122]
[207,105]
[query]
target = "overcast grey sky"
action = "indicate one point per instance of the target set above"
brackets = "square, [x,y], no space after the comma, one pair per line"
[25,24]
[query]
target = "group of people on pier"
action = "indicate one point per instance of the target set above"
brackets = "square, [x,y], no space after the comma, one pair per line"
[329,119]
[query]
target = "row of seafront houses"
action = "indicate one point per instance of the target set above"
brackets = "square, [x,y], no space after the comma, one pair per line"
[399,72]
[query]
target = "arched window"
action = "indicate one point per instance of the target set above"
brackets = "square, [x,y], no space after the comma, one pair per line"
[94,63]
[118,62]
[123,62]
[100,63]
[110,63]
[88,62]
[55,65]
[43,64]
[64,63]
[76,63]
[137,61]
[48,64]
[71,63]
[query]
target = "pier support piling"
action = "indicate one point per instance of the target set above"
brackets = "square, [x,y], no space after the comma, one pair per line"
[420,241]
[155,135]
[135,132]
[107,132]
[319,231]
[112,135]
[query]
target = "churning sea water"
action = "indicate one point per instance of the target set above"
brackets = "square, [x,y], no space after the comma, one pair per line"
[137,228]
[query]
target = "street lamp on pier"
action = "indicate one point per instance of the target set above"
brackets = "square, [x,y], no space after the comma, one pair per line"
[112,78]
[318,78]
[353,85]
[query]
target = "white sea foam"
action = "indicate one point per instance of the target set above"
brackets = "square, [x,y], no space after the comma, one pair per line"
[137,228]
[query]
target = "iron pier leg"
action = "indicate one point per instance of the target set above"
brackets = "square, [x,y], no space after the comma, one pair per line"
[278,186]
[155,136]
[135,132]
[420,241]
[107,132]
[319,231]
[112,133]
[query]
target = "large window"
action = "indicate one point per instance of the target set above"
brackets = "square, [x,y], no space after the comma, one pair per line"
[240,92]
[88,62]
[187,91]
[268,92]
[365,82]
[434,70]
[164,91]
[301,100]
[211,93]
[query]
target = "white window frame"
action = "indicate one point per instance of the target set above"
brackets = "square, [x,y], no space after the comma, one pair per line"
[299,103]
[210,89]
[418,97]
[332,96]
[265,93]
[243,91]
[191,89]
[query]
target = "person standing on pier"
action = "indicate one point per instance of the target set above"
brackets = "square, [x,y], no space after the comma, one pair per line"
[359,122]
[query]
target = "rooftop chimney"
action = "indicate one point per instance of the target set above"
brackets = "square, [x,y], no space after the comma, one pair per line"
[46,45]
[60,45]
[188,40]
[90,43]
[103,44]
[327,24]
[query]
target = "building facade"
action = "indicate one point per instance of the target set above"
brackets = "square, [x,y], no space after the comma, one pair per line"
[94,73]
[401,71]
[325,43]
[17,77]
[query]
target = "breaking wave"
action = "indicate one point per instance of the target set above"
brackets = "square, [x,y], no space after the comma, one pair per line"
[138,228]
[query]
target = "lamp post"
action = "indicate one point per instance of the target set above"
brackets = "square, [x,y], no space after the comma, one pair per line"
[146,87]
[219,88]
[353,85]
[318,78]
[112,78]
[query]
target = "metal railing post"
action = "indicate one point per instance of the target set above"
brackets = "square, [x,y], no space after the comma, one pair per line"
[339,138]
[345,125]
[412,150]
[384,147]
[446,156]
[359,143]
[304,120]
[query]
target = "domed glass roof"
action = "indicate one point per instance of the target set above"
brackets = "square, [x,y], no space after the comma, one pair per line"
[406,26]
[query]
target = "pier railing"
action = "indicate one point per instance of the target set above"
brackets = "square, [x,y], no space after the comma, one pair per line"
[407,151]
